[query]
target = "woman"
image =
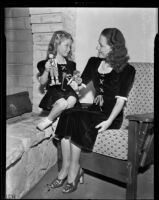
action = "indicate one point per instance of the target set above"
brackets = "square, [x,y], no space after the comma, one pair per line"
[112,78]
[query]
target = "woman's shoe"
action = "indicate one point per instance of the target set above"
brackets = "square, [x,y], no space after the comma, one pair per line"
[44,124]
[56,183]
[70,187]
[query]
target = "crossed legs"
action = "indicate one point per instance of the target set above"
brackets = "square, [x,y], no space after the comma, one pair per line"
[59,106]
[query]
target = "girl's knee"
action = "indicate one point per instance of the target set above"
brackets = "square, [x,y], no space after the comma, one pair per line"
[71,102]
[62,104]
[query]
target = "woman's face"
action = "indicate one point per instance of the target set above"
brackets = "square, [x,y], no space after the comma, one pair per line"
[103,47]
[64,47]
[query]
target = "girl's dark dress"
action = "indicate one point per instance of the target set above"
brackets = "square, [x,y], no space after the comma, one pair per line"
[79,124]
[56,92]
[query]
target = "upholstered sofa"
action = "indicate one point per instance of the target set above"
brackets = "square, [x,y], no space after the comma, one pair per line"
[30,153]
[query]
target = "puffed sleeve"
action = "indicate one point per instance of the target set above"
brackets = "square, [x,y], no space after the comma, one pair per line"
[41,67]
[126,82]
[71,66]
[87,72]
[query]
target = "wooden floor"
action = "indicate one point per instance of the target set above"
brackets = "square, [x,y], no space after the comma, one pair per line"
[93,188]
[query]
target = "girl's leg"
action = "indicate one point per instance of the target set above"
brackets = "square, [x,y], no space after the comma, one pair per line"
[59,106]
[71,102]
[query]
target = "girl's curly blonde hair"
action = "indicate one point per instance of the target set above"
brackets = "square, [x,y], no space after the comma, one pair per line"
[56,39]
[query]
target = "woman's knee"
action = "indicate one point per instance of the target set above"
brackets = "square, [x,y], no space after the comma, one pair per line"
[62,104]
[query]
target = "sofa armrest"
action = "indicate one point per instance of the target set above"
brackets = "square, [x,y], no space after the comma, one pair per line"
[139,129]
[146,117]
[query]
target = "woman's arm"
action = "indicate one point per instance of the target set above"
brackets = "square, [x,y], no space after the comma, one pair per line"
[116,110]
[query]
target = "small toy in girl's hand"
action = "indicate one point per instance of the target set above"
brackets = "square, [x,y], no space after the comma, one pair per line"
[76,77]
[54,71]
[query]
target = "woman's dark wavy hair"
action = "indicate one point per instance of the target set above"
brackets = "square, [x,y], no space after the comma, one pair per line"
[118,57]
[56,39]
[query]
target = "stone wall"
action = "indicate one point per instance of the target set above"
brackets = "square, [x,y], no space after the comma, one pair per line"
[30,153]
[44,21]
[19,46]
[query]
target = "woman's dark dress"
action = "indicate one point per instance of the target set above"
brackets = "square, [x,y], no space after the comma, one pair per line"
[79,124]
[56,92]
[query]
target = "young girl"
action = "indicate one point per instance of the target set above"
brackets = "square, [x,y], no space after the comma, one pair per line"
[59,95]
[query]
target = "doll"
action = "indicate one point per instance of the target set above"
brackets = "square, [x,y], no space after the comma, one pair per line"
[53,71]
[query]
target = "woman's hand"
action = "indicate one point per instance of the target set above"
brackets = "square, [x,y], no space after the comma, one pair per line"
[74,86]
[103,125]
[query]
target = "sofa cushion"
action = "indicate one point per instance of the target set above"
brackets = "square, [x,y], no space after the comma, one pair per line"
[18,104]
[113,143]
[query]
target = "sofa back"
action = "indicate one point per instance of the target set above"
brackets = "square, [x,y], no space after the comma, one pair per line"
[141,96]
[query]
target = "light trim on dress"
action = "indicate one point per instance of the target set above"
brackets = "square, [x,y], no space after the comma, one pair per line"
[122,97]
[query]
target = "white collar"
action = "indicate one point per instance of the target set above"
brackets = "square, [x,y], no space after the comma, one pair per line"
[60,63]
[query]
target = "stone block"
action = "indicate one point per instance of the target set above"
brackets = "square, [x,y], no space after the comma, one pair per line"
[14,149]
[38,56]
[13,90]
[27,21]
[16,69]
[17,23]
[20,46]
[37,10]
[42,38]
[16,12]
[40,47]
[46,18]
[15,178]
[19,35]
[34,160]
[19,81]
[36,28]
[20,58]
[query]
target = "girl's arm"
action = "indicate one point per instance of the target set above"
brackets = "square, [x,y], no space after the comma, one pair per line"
[44,77]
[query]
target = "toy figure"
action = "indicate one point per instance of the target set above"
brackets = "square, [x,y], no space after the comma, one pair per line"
[53,71]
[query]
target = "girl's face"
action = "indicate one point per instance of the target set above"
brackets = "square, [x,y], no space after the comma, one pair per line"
[103,47]
[64,47]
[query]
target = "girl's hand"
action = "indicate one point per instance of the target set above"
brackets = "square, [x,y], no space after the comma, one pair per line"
[74,85]
[47,66]
[103,125]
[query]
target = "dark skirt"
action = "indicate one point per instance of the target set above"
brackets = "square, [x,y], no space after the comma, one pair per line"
[55,93]
[79,125]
